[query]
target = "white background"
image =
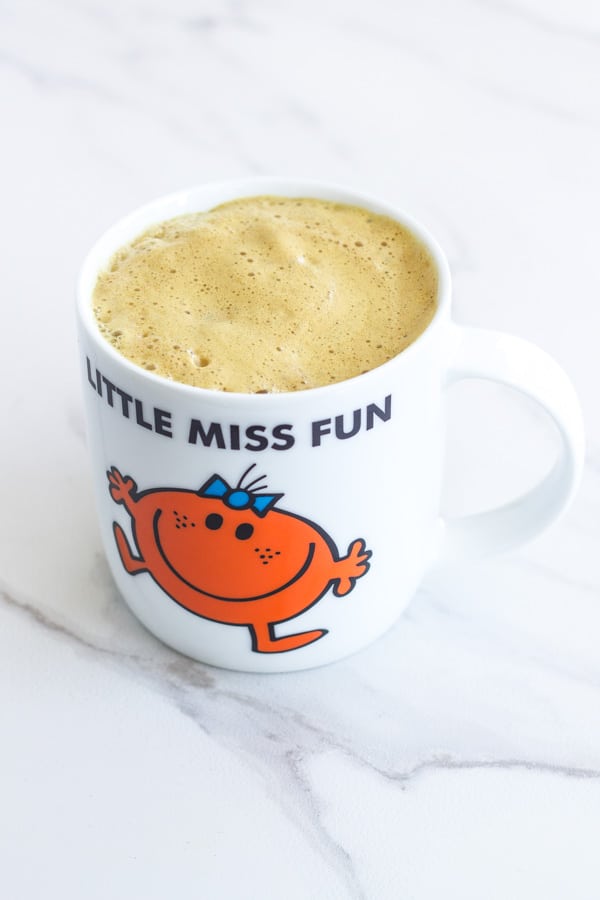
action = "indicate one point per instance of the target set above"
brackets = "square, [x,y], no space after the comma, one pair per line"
[459,757]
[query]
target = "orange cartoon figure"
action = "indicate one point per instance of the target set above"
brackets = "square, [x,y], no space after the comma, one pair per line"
[227,555]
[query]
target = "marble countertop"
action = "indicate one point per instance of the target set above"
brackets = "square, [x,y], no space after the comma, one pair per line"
[459,756]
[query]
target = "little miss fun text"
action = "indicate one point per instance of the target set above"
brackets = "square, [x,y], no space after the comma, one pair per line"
[258,437]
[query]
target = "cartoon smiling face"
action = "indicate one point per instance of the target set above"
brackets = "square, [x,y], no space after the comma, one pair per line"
[228,553]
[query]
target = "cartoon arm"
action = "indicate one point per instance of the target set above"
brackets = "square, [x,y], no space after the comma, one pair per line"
[122,490]
[351,567]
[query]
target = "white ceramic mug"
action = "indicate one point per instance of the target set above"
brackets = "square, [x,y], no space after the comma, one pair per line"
[276,532]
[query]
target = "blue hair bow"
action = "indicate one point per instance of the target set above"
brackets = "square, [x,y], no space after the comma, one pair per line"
[238,498]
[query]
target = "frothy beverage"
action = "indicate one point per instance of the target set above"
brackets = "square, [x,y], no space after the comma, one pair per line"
[267,294]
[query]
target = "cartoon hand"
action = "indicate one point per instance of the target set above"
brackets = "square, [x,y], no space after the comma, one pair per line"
[121,488]
[351,567]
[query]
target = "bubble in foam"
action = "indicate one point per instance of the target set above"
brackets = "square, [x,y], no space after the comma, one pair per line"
[199,360]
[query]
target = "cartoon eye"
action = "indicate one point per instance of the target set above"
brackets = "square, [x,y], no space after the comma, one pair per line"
[213,521]
[244,531]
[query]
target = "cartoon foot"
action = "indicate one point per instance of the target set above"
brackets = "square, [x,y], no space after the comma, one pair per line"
[133,564]
[121,489]
[351,567]
[264,640]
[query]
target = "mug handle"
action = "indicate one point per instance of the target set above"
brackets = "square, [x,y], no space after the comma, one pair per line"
[515,362]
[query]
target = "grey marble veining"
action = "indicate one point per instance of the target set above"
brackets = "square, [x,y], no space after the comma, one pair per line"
[459,755]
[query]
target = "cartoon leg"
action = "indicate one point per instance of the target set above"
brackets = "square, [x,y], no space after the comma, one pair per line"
[264,640]
[133,564]
[351,567]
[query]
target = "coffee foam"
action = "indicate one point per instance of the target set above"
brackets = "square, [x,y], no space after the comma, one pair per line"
[267,294]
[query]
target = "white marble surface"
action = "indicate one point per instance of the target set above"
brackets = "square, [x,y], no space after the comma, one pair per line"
[459,757]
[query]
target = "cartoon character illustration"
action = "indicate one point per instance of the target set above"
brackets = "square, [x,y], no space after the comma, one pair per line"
[226,554]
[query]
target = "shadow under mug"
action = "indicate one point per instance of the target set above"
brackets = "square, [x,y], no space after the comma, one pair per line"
[322,554]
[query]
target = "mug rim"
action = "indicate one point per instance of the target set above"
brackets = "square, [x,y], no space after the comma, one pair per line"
[182,202]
